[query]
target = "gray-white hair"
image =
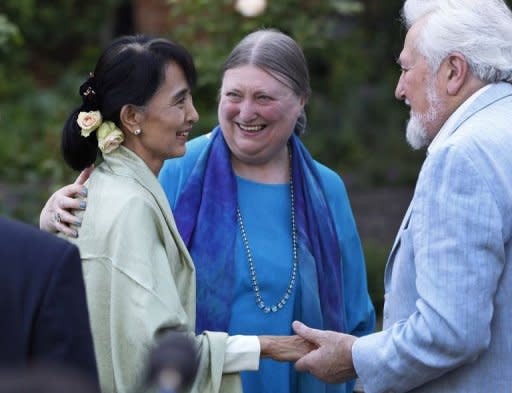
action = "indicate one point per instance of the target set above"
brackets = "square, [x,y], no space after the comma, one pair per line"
[480,30]
[281,56]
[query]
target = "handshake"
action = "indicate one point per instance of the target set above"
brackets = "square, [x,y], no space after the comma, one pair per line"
[331,356]
[325,354]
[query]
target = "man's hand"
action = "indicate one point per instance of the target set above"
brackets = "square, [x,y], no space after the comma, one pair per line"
[332,360]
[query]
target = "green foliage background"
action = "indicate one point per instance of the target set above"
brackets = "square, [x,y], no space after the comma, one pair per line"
[45,46]
[48,47]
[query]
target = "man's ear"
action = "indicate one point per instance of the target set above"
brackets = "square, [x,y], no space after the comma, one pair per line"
[130,118]
[456,69]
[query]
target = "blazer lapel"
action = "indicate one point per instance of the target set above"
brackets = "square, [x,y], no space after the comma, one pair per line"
[396,244]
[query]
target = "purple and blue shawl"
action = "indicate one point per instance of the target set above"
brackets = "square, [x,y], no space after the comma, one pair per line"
[205,214]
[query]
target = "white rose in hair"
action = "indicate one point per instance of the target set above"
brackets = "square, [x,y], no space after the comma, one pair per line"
[109,137]
[88,122]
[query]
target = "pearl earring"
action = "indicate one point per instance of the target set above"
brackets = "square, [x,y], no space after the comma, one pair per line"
[137,132]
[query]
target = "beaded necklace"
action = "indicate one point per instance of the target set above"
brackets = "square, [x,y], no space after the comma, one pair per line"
[254,281]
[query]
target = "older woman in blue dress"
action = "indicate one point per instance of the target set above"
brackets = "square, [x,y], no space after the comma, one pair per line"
[270,229]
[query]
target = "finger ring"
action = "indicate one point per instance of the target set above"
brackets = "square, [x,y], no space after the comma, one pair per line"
[57,217]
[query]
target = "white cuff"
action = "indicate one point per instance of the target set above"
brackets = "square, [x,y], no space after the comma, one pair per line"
[242,354]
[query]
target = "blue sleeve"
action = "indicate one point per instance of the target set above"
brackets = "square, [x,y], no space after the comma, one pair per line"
[360,314]
[175,171]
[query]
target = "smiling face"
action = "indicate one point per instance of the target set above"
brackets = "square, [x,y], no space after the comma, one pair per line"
[417,85]
[257,114]
[165,120]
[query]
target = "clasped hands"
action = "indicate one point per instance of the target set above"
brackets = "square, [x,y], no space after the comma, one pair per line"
[330,358]
[325,354]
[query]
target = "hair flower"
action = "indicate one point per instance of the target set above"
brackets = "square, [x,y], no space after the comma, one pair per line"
[109,137]
[88,122]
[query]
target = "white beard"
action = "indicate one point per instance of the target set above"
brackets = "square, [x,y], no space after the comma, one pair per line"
[416,132]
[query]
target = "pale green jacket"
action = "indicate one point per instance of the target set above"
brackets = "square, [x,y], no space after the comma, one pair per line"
[139,277]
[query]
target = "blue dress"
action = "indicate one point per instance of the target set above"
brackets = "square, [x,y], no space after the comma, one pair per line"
[266,212]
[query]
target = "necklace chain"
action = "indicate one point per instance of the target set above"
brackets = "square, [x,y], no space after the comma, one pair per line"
[254,281]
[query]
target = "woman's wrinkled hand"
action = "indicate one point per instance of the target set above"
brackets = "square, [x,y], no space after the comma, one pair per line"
[284,348]
[55,216]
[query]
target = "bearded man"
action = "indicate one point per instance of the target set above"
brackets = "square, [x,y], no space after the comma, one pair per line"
[448,280]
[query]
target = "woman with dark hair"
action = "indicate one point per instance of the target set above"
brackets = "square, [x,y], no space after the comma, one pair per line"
[137,111]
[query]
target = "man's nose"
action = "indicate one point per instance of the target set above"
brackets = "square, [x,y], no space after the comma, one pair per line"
[399,89]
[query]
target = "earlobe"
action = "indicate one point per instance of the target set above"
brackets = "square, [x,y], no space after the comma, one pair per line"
[130,118]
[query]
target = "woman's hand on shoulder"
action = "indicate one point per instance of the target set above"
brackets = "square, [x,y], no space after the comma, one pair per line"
[284,348]
[55,216]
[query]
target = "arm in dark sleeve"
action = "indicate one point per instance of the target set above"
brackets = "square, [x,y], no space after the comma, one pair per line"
[62,332]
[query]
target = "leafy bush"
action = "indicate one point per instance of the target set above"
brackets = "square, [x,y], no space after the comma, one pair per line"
[355,124]
[47,47]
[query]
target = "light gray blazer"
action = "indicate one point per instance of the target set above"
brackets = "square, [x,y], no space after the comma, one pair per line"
[448,280]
